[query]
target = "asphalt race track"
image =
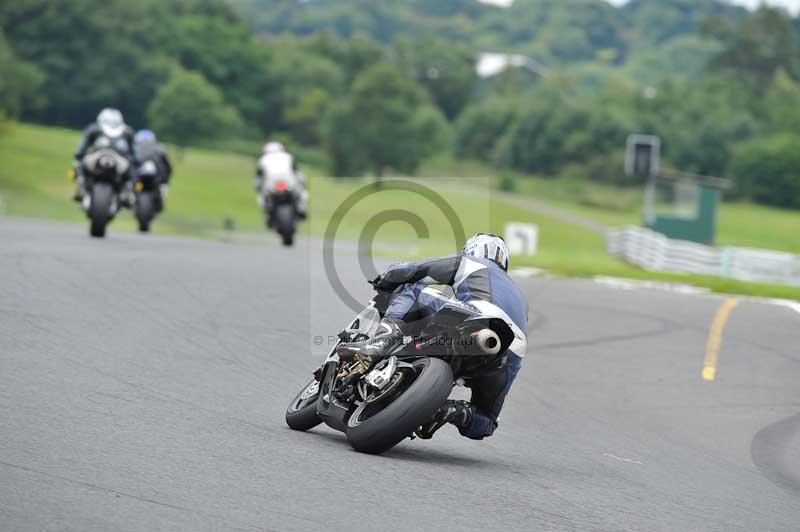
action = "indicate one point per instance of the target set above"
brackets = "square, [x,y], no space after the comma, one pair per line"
[143,382]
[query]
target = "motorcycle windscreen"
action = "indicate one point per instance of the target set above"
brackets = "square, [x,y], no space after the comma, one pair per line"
[95,160]
[365,324]
[149,169]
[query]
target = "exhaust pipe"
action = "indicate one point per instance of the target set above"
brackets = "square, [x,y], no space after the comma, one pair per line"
[488,341]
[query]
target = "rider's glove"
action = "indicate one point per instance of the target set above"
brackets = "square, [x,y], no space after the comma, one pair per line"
[75,171]
[380,283]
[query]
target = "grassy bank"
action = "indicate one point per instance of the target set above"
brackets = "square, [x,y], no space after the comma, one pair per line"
[212,186]
[207,188]
[739,223]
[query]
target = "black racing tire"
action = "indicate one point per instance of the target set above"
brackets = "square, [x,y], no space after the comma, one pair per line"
[413,407]
[145,210]
[100,209]
[302,411]
[284,223]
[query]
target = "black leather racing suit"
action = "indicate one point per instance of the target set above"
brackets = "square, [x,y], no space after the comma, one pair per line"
[155,152]
[91,134]
[482,285]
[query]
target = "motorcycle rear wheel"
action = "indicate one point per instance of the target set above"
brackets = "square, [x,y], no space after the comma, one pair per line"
[377,432]
[285,223]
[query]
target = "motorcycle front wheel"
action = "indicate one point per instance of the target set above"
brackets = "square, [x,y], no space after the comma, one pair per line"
[100,209]
[375,427]
[145,210]
[302,411]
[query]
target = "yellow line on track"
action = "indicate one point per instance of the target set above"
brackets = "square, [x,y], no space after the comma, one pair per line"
[715,338]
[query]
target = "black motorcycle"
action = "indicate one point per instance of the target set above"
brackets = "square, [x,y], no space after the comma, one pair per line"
[379,403]
[104,175]
[280,208]
[147,195]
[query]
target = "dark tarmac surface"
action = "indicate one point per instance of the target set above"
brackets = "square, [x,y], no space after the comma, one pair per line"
[143,383]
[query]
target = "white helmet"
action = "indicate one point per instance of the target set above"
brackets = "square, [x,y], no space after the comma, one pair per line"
[274,147]
[111,122]
[488,246]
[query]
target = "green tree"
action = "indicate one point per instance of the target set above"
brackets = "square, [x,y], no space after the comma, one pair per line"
[698,122]
[93,53]
[480,127]
[768,170]
[302,117]
[555,31]
[188,109]
[99,53]
[382,21]
[758,47]
[782,104]
[353,55]
[685,57]
[552,132]
[446,70]
[19,82]
[387,122]
[659,22]
[219,46]
[304,86]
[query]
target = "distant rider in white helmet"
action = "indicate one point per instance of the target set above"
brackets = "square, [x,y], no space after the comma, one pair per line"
[479,278]
[111,125]
[278,164]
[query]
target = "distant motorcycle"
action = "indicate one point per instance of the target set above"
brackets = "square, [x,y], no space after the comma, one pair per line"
[104,176]
[278,199]
[378,403]
[148,201]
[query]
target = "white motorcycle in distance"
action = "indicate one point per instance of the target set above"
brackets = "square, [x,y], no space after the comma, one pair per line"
[104,179]
[278,199]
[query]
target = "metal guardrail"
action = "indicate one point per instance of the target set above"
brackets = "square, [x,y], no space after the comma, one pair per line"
[654,251]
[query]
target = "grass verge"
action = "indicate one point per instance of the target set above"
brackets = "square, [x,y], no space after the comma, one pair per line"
[211,186]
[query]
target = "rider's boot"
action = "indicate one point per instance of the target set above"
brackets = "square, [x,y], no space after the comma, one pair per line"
[458,413]
[265,204]
[388,335]
[126,196]
[301,204]
[163,192]
[79,189]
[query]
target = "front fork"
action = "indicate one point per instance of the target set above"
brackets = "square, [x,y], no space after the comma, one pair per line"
[328,408]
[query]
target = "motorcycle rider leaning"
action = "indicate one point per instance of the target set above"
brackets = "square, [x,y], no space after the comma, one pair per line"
[147,148]
[277,162]
[479,278]
[111,124]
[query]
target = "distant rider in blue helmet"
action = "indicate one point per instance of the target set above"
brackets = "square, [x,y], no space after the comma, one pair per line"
[147,148]
[479,279]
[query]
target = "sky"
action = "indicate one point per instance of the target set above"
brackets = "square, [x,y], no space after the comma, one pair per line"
[792,5]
